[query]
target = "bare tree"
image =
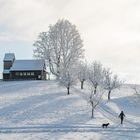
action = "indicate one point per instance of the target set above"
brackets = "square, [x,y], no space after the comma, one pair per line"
[95,75]
[82,73]
[111,82]
[61,46]
[136,89]
[95,99]
[95,80]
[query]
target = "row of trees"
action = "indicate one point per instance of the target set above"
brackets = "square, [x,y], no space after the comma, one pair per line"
[62,48]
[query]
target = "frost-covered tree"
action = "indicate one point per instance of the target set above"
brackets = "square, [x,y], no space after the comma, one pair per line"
[95,75]
[95,99]
[82,73]
[95,81]
[68,78]
[61,46]
[111,82]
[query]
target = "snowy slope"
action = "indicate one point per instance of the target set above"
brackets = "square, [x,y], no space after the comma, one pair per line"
[41,110]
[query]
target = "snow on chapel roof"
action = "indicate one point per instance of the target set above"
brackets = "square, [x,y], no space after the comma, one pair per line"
[9,57]
[27,65]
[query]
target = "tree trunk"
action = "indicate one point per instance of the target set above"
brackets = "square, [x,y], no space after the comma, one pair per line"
[82,84]
[95,90]
[109,94]
[68,90]
[92,111]
[92,115]
[57,77]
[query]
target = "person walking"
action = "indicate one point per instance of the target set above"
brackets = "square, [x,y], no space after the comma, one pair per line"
[121,116]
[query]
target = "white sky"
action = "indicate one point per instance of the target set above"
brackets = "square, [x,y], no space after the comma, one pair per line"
[110,29]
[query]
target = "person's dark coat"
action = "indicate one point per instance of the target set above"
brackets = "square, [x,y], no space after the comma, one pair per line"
[121,116]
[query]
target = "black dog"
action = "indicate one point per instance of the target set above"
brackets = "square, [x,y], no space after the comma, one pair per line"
[105,125]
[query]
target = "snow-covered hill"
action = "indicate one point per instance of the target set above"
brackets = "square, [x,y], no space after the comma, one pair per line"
[41,110]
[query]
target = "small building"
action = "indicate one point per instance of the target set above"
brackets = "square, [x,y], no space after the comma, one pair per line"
[23,69]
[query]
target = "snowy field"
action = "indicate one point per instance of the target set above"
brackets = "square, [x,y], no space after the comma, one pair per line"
[41,110]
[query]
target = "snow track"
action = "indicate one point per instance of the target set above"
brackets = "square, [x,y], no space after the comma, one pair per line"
[40,129]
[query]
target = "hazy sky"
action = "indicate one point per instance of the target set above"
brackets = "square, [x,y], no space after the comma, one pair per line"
[110,29]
